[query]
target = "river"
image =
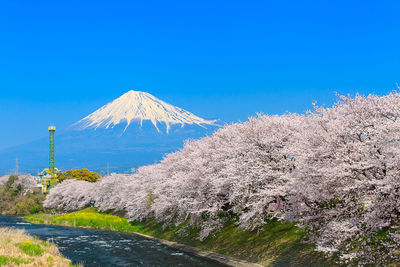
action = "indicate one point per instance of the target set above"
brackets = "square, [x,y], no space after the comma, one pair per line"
[105,248]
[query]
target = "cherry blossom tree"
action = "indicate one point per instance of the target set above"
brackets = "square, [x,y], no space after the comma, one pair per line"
[4,179]
[27,181]
[70,195]
[347,178]
[334,171]
[243,169]
[107,192]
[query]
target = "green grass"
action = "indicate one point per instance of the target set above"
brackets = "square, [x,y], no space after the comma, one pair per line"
[18,248]
[5,260]
[35,219]
[30,248]
[278,243]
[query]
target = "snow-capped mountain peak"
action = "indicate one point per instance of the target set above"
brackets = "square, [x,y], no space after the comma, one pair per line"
[139,106]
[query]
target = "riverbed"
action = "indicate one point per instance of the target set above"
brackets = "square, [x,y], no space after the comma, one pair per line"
[105,248]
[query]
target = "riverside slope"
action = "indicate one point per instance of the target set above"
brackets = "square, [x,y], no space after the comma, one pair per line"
[278,244]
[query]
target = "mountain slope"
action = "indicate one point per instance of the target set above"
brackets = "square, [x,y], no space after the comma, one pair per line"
[135,129]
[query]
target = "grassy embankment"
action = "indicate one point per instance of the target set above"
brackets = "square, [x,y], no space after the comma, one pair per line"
[16,200]
[278,243]
[19,249]
[13,204]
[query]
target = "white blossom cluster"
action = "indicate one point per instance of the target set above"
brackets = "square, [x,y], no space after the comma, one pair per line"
[71,195]
[335,171]
[27,181]
[4,179]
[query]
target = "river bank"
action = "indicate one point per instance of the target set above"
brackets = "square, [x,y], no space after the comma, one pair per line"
[93,248]
[279,244]
[18,248]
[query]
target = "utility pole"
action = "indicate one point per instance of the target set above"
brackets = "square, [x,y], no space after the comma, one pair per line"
[16,166]
[108,168]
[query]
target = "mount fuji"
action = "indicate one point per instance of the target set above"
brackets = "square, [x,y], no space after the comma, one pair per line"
[140,106]
[133,130]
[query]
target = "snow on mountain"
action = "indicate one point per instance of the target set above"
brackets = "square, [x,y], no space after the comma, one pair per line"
[140,106]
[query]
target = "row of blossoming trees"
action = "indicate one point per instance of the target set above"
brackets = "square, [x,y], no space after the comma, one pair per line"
[334,171]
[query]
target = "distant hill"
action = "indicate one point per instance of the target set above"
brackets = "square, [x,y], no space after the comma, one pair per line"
[133,130]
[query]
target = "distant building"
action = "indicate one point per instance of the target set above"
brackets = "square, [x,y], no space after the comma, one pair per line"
[47,179]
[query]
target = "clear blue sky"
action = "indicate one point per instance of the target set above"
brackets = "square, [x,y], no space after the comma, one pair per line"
[61,60]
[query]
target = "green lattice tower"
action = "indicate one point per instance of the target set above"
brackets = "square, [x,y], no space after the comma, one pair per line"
[52,129]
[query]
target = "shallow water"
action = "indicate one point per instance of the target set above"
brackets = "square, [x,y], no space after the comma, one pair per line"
[105,248]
